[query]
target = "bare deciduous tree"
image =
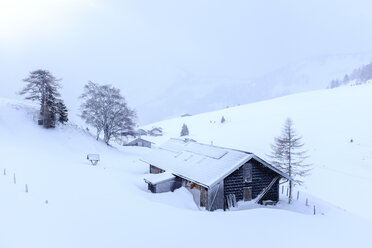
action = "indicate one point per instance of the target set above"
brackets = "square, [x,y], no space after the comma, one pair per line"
[288,156]
[105,109]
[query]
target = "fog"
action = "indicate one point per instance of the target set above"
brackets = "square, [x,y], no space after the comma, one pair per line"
[149,48]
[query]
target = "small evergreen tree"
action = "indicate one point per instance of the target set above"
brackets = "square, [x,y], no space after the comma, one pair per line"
[184,130]
[50,112]
[223,119]
[287,155]
[62,112]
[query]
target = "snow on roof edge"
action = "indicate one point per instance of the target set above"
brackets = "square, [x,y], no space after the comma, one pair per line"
[268,165]
[159,178]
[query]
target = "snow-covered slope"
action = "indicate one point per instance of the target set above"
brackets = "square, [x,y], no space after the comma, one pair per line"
[327,119]
[196,94]
[71,203]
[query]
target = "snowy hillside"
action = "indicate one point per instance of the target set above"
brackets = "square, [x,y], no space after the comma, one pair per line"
[327,120]
[71,203]
[196,94]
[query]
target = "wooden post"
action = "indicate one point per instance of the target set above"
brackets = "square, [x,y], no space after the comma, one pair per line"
[26,188]
[4,171]
[307,202]
[298,195]
[287,191]
[282,189]
[314,210]
[14,179]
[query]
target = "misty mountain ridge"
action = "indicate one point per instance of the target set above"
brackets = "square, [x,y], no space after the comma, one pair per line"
[195,94]
[362,75]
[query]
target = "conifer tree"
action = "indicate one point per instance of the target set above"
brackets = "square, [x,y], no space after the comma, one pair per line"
[62,112]
[288,156]
[223,119]
[184,130]
[42,86]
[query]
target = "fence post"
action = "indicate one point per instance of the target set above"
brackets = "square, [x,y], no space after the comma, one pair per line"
[26,188]
[282,189]
[314,210]
[4,171]
[287,191]
[298,195]
[14,178]
[307,202]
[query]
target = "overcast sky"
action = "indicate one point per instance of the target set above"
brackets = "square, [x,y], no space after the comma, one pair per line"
[143,47]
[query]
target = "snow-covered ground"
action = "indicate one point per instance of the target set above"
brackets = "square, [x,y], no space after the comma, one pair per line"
[71,203]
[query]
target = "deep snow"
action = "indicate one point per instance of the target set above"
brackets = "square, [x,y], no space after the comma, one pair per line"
[71,203]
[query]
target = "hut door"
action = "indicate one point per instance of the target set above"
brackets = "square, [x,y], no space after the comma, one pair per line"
[247,193]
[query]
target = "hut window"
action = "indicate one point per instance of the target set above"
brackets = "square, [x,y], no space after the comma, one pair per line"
[247,173]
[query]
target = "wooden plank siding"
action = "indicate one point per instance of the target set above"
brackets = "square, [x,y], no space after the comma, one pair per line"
[155,170]
[166,186]
[261,178]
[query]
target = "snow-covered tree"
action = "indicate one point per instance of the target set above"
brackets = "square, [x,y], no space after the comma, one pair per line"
[105,109]
[223,119]
[62,112]
[184,130]
[288,155]
[42,86]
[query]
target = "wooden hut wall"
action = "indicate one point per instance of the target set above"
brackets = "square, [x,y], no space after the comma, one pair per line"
[155,170]
[273,193]
[194,189]
[261,178]
[166,186]
[145,143]
[216,198]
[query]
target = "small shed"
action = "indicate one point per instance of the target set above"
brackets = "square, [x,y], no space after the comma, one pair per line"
[162,182]
[139,142]
[156,131]
[217,177]
[140,132]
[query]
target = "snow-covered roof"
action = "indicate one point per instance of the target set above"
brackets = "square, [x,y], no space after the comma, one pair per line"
[93,157]
[136,140]
[158,178]
[200,163]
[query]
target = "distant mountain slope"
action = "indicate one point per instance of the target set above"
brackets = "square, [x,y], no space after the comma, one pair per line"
[362,75]
[195,94]
[327,119]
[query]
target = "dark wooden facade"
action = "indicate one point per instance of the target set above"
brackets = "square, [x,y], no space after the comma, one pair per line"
[155,170]
[245,183]
[166,186]
[261,178]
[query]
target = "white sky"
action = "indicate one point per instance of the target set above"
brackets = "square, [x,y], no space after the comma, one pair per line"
[143,47]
